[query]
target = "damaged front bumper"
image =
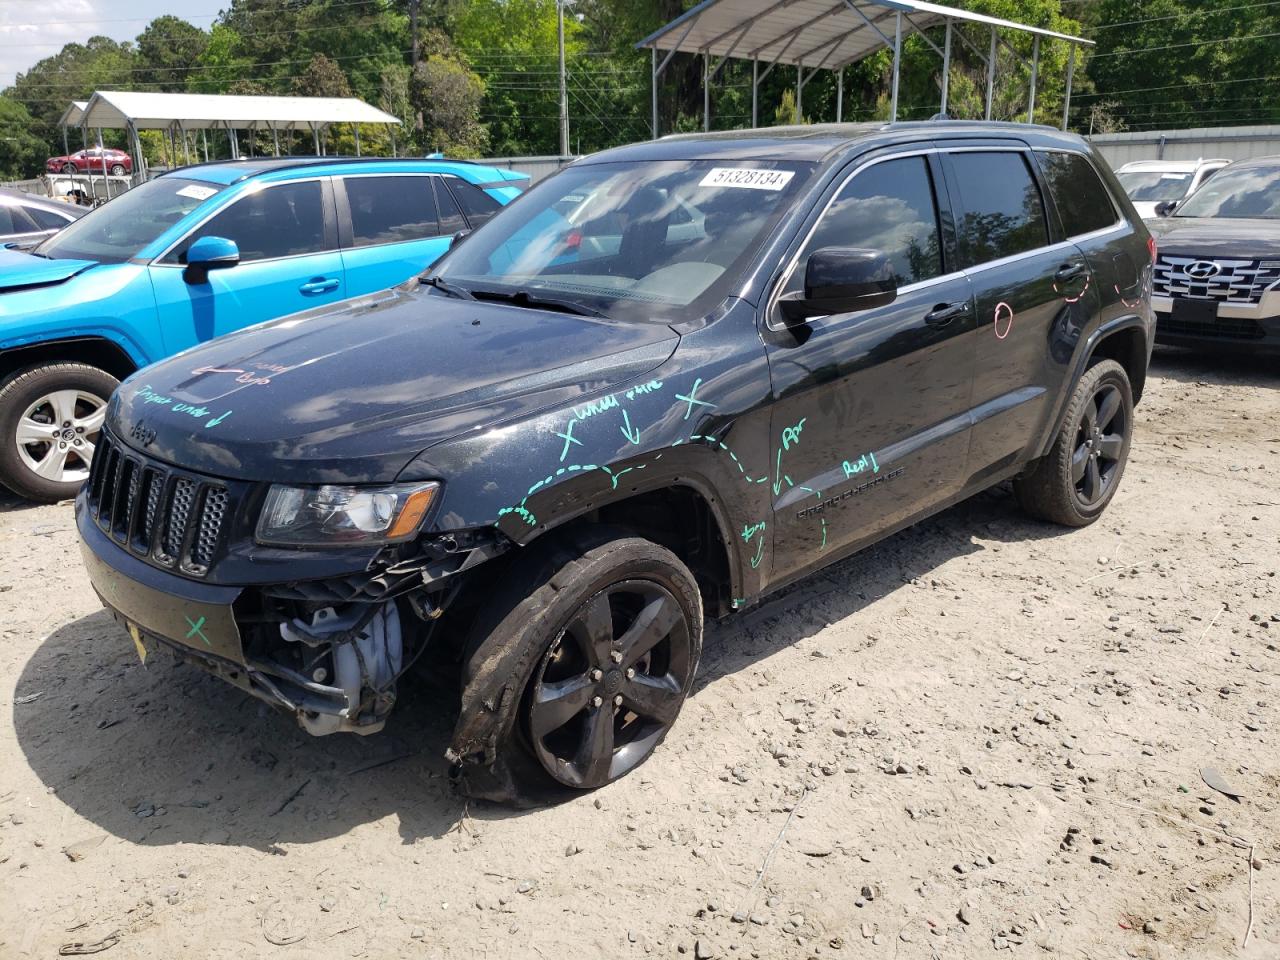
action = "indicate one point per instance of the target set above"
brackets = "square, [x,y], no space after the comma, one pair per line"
[343,681]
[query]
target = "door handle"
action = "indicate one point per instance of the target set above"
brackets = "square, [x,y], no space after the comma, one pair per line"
[1069,271]
[944,313]
[319,285]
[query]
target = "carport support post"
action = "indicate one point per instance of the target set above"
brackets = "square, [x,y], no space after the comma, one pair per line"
[65,149]
[840,95]
[315,137]
[1066,100]
[755,92]
[1035,68]
[706,91]
[946,67]
[356,128]
[186,145]
[204,141]
[106,184]
[275,138]
[653,90]
[897,64]
[393,140]
[991,73]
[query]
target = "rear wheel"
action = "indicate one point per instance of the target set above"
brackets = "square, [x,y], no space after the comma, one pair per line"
[117,169]
[68,168]
[50,418]
[1075,481]
[608,636]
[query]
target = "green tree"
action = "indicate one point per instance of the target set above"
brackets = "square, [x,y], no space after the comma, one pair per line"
[448,95]
[322,78]
[22,153]
[168,49]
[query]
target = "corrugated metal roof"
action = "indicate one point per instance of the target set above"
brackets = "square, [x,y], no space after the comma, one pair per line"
[833,33]
[112,109]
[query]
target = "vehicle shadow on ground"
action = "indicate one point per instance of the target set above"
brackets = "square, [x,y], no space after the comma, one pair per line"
[1219,366]
[164,754]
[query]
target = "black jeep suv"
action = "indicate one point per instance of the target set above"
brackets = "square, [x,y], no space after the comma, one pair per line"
[667,381]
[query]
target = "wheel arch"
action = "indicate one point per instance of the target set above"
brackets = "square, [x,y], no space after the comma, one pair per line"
[1126,343]
[684,515]
[97,352]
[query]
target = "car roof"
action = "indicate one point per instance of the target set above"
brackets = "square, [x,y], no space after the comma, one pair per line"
[1266,162]
[1171,166]
[819,142]
[20,196]
[244,168]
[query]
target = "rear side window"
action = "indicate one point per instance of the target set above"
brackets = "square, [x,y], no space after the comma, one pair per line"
[13,220]
[391,209]
[46,219]
[887,207]
[476,204]
[283,220]
[451,220]
[1082,200]
[1002,212]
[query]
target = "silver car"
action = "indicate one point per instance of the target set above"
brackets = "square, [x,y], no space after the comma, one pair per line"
[26,219]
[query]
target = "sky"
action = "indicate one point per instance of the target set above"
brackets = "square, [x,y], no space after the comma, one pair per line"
[31,30]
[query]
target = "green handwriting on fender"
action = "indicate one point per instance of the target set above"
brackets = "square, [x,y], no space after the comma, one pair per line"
[863,463]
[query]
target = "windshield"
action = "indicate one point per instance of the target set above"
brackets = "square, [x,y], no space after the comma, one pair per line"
[1152,186]
[663,239]
[1251,192]
[116,231]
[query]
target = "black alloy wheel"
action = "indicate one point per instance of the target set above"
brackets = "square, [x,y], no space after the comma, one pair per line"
[1100,444]
[1073,483]
[611,684]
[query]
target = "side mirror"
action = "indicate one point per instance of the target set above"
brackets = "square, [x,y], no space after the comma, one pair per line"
[1165,208]
[458,238]
[209,253]
[841,280]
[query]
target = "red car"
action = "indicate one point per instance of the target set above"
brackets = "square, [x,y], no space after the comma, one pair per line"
[117,162]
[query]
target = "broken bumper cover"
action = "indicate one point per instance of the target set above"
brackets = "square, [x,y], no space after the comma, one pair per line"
[197,622]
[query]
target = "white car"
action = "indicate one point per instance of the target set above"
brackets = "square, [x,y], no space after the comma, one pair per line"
[1149,182]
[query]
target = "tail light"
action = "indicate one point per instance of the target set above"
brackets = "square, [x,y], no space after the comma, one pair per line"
[1151,248]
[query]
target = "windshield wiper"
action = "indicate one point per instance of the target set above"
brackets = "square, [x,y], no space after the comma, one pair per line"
[523,298]
[444,286]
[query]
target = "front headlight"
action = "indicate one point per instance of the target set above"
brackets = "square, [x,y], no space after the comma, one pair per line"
[334,515]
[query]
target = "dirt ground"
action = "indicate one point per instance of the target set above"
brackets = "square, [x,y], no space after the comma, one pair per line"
[982,735]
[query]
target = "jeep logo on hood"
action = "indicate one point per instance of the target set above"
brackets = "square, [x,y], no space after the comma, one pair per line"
[142,433]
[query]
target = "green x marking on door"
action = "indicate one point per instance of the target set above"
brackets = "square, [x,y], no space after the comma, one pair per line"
[196,630]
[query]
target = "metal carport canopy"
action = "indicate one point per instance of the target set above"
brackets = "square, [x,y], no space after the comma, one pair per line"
[828,34]
[118,110]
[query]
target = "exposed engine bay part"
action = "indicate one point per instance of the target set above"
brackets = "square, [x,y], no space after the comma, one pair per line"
[353,661]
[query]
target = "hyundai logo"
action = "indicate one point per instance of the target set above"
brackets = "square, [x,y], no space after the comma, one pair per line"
[1203,270]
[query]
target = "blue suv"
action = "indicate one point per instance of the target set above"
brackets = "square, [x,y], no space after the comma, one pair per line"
[197,253]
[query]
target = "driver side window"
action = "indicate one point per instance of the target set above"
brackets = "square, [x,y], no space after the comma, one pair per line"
[888,207]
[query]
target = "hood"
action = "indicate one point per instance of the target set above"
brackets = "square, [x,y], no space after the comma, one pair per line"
[1146,208]
[353,394]
[19,270]
[1209,237]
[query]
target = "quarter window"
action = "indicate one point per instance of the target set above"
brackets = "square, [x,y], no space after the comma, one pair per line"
[1082,200]
[476,204]
[451,219]
[391,209]
[285,220]
[888,207]
[47,219]
[13,220]
[1002,213]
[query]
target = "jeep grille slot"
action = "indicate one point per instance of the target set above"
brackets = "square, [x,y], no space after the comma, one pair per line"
[168,517]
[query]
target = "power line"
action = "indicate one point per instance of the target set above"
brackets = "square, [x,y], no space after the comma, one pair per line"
[1179,46]
[1175,16]
[1175,86]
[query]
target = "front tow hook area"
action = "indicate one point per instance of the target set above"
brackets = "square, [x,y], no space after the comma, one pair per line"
[350,661]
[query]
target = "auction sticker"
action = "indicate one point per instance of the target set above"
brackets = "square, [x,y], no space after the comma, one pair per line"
[747,178]
[196,192]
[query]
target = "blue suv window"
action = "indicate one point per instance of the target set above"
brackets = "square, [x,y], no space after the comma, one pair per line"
[451,219]
[280,220]
[391,209]
[476,204]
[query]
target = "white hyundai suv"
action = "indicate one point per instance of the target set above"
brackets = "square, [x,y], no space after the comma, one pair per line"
[1149,182]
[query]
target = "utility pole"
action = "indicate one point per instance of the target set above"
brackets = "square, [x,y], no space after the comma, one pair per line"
[564,92]
[413,29]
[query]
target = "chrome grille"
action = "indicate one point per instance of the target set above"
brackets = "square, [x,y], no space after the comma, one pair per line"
[172,519]
[1237,281]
